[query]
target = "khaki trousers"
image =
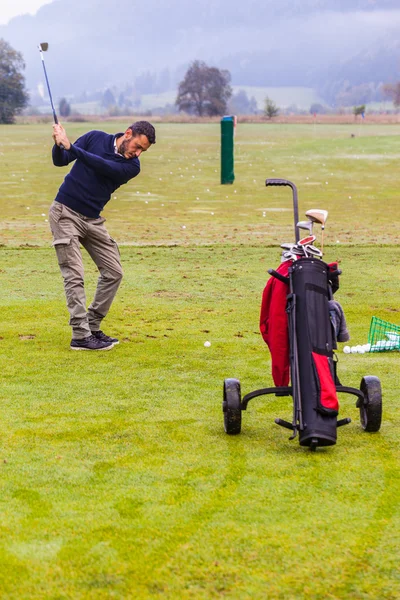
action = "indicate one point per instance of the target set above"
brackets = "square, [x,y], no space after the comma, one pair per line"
[70,229]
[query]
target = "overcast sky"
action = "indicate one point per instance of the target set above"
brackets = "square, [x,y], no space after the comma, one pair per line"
[13,8]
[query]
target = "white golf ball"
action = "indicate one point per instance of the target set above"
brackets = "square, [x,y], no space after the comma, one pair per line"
[207,344]
[347,349]
[353,349]
[367,347]
[361,350]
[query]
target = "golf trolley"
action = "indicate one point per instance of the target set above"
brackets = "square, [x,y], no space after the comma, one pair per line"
[305,285]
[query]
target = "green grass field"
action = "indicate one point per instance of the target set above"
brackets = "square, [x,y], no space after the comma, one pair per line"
[117,479]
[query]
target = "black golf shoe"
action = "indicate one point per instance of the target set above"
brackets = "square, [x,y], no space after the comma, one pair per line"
[91,343]
[99,335]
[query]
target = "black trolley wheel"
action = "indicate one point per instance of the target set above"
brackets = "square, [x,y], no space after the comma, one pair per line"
[371,408]
[232,407]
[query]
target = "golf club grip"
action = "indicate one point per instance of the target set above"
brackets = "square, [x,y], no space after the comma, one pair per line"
[56,122]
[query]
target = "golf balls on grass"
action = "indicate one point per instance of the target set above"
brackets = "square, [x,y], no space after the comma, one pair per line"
[359,349]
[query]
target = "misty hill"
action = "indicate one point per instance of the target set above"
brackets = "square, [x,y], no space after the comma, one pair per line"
[325,44]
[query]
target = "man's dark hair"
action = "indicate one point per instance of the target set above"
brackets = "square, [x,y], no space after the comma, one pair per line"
[144,128]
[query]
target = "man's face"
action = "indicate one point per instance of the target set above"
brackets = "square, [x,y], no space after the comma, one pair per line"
[133,145]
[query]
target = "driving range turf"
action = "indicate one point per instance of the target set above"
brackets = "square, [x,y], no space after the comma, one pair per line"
[117,479]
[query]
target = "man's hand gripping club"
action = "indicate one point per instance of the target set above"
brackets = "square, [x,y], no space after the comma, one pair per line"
[60,136]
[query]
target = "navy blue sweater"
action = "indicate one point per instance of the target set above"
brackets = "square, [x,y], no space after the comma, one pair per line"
[96,174]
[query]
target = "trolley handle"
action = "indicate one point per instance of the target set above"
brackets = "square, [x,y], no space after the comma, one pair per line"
[286,182]
[279,276]
[279,182]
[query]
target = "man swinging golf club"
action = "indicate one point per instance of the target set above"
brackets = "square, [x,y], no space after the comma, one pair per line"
[103,163]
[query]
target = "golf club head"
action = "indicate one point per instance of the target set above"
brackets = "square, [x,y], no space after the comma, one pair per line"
[43,47]
[306,225]
[313,251]
[289,255]
[317,215]
[298,250]
[307,240]
[287,245]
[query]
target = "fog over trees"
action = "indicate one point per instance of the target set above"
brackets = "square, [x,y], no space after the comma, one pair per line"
[333,46]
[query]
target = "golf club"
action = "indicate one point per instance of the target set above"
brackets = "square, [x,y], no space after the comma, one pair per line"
[313,250]
[43,47]
[318,215]
[307,240]
[308,225]
[289,256]
[299,250]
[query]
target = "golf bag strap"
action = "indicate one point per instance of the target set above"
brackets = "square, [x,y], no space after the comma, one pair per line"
[317,288]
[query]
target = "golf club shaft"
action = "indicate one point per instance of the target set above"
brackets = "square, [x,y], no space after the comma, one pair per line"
[48,89]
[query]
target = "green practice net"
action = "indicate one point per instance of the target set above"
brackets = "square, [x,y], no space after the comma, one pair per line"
[383,335]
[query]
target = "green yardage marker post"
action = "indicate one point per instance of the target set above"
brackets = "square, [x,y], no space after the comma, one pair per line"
[228,125]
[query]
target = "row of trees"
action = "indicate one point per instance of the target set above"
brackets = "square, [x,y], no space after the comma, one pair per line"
[204,91]
[13,96]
